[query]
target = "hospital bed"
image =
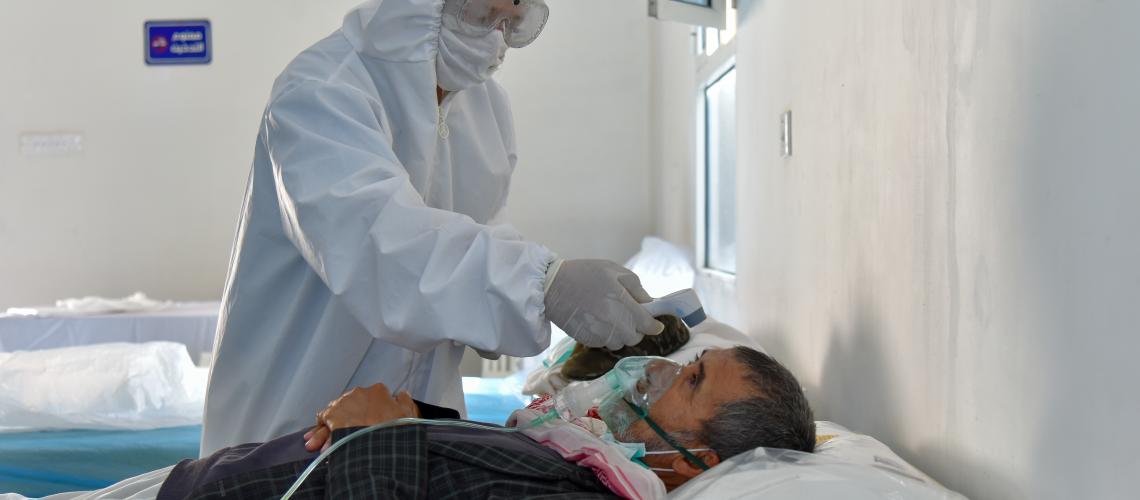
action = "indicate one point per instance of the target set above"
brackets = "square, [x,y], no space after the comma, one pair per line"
[140,406]
[189,323]
[37,464]
[845,465]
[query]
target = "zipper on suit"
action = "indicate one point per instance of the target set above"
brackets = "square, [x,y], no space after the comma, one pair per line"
[444,131]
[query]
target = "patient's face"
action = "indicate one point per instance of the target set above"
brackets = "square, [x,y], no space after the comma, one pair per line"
[715,378]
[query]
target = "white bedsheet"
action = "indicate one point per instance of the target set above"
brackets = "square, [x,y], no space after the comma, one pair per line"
[189,323]
[141,487]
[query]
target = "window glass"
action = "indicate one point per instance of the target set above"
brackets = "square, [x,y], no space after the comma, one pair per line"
[720,171]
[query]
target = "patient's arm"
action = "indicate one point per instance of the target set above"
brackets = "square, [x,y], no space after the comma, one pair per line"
[360,407]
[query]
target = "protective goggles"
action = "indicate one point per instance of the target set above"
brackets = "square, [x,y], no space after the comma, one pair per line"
[521,21]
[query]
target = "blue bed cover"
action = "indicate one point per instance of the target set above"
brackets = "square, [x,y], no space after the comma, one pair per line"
[36,464]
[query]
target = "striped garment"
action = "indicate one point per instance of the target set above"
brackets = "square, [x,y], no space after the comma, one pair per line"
[418,462]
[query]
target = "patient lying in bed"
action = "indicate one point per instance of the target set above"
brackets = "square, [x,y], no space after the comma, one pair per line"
[726,402]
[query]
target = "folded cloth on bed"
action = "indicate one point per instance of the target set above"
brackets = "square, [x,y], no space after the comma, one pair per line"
[137,302]
[587,442]
[103,386]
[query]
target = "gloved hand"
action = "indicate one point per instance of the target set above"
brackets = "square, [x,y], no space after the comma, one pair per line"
[598,303]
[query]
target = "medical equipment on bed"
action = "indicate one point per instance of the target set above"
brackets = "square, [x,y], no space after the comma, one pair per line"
[622,396]
[641,380]
[683,304]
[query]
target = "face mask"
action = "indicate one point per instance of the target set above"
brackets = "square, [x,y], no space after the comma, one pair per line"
[465,61]
[638,382]
[644,415]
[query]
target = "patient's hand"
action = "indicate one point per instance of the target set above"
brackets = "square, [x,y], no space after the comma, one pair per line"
[360,407]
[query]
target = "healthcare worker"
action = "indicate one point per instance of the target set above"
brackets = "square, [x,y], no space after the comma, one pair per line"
[367,250]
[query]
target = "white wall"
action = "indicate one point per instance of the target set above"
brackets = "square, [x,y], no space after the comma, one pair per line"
[581,99]
[673,122]
[152,202]
[949,260]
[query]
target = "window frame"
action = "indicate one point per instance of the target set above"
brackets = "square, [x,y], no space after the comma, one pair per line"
[712,16]
[709,71]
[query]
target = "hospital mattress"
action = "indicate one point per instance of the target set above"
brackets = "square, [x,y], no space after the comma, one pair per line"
[41,463]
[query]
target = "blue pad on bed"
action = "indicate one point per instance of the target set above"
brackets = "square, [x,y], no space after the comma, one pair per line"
[37,464]
[492,400]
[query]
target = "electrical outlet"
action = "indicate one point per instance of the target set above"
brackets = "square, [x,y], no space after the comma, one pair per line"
[50,143]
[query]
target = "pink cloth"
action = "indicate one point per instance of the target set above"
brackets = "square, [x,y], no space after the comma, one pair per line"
[581,442]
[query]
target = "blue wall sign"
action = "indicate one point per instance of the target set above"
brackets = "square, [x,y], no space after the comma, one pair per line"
[178,42]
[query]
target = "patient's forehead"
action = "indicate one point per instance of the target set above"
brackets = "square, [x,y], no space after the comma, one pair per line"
[721,379]
[724,377]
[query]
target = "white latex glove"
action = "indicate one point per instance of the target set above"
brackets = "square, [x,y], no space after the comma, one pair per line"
[598,303]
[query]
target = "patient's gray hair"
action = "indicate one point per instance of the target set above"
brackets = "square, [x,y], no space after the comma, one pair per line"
[779,416]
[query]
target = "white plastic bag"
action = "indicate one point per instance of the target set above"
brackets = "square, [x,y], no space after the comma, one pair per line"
[103,386]
[849,466]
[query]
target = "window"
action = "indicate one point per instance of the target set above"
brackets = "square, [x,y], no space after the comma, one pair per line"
[720,172]
[716,151]
[694,12]
[710,39]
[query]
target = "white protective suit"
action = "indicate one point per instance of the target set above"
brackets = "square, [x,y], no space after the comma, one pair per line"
[363,253]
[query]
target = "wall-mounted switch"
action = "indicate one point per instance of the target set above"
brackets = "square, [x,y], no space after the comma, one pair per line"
[50,143]
[786,133]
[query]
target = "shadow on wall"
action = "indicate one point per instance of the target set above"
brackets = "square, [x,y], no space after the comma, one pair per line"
[1080,181]
[855,389]
[966,471]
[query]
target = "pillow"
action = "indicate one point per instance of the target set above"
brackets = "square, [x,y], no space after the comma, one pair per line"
[662,267]
[102,386]
[845,465]
[712,334]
